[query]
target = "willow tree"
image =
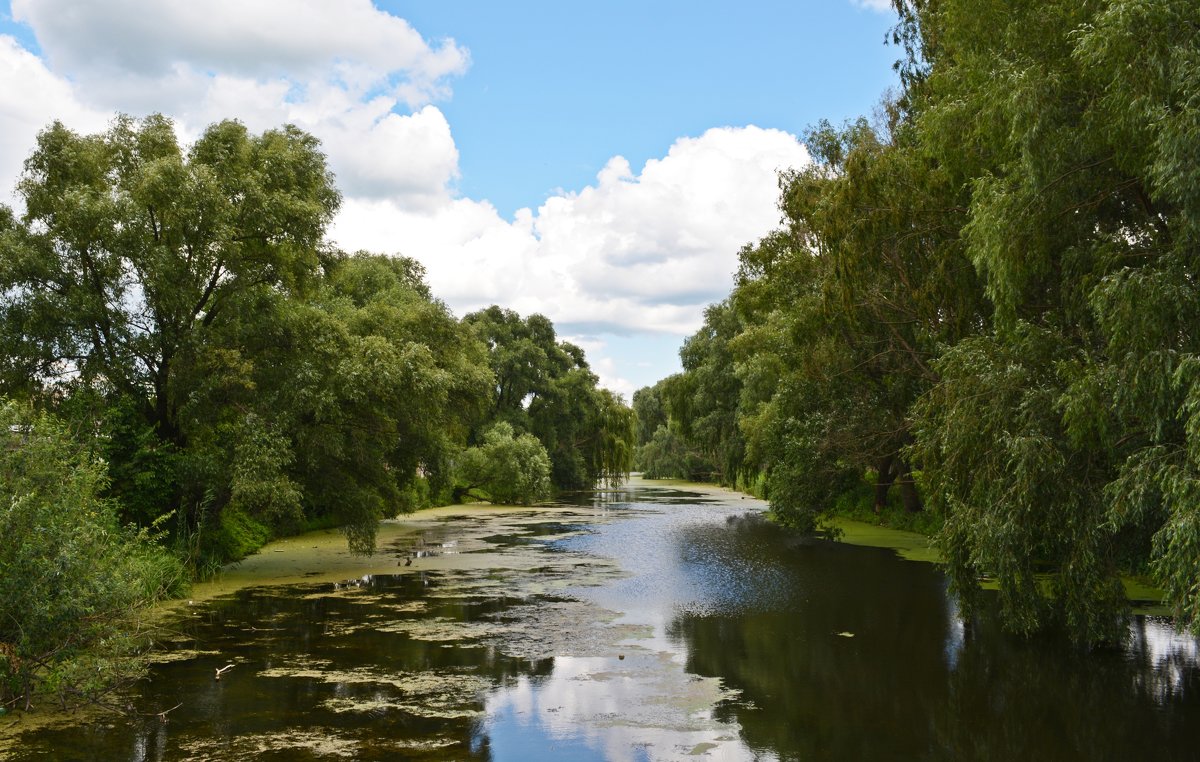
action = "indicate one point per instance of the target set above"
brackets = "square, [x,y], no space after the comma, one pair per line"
[845,310]
[545,387]
[348,405]
[1064,440]
[133,248]
[704,400]
[182,304]
[132,251]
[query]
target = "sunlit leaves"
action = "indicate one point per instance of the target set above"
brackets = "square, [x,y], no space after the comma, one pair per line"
[73,582]
[544,386]
[508,468]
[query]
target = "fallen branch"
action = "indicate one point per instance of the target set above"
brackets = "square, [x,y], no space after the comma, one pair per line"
[162,716]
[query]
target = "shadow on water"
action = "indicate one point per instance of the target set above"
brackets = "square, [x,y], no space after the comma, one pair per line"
[865,658]
[638,624]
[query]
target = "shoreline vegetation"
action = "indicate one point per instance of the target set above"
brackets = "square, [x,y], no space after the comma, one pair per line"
[977,316]
[211,373]
[292,560]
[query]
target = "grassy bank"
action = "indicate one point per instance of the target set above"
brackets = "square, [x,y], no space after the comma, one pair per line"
[852,519]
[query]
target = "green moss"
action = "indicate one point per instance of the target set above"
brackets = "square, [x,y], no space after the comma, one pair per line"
[1145,596]
[235,536]
[910,545]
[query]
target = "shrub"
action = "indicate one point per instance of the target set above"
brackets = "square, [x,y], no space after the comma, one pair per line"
[72,579]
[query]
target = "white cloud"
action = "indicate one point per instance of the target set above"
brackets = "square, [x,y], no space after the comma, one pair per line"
[30,98]
[344,71]
[638,251]
[882,6]
[633,252]
[358,44]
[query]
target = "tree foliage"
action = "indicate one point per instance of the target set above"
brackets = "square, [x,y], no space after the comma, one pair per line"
[508,469]
[180,308]
[989,292]
[73,581]
[545,387]
[210,370]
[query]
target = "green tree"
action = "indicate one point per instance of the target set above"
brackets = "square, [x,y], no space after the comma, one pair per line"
[703,401]
[1075,122]
[131,250]
[668,456]
[842,313]
[650,411]
[508,468]
[182,304]
[347,405]
[662,451]
[74,584]
[131,255]
[545,387]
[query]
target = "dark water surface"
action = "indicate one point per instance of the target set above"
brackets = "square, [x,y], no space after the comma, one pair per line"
[643,624]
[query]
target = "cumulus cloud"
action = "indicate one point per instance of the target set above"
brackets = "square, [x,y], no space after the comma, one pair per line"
[638,252]
[350,40]
[633,252]
[31,97]
[357,77]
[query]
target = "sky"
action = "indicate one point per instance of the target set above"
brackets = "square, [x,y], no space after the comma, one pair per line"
[600,163]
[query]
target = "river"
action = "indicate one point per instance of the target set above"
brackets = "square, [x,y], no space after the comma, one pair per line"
[650,622]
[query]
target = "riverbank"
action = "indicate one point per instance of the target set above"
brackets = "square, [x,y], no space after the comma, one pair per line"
[659,620]
[1144,597]
[323,556]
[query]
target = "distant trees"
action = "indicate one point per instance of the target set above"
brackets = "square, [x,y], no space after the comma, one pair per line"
[178,308]
[662,451]
[985,301]
[544,386]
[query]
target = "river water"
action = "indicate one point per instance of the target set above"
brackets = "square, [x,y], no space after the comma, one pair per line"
[644,623]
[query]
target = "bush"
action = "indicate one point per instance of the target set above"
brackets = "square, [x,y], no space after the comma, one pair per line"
[507,469]
[72,579]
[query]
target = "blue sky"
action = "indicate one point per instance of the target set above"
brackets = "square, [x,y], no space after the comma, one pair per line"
[555,89]
[600,163]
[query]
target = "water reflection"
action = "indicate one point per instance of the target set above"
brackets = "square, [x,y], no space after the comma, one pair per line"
[643,624]
[1164,660]
[638,707]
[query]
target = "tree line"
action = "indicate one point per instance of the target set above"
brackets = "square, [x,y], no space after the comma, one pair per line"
[983,304]
[188,368]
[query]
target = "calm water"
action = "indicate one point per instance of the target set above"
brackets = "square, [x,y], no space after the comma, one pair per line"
[645,624]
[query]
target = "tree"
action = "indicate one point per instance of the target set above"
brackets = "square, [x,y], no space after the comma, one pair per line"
[132,254]
[704,399]
[507,468]
[132,250]
[545,387]
[668,456]
[1076,123]
[74,584]
[182,307]
[352,402]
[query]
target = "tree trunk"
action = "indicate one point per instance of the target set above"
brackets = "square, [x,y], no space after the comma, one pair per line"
[884,481]
[908,490]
